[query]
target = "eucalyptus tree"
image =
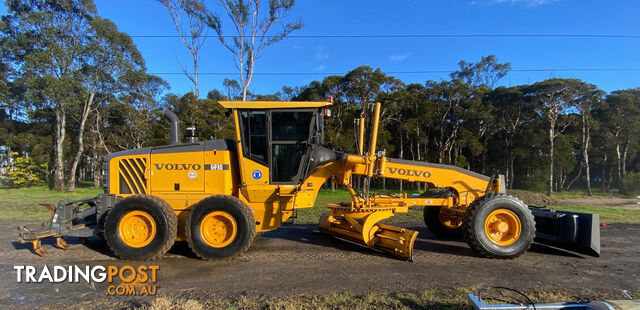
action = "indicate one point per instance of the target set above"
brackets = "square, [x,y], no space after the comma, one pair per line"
[110,66]
[553,98]
[510,114]
[486,72]
[587,98]
[191,32]
[450,101]
[624,122]
[256,26]
[49,45]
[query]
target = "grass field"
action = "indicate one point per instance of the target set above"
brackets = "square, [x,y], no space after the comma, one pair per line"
[607,214]
[22,204]
[437,298]
[581,193]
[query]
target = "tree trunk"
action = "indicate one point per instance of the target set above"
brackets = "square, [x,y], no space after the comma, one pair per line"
[401,153]
[83,121]
[551,138]
[97,171]
[58,174]
[603,178]
[624,156]
[484,154]
[619,158]
[586,136]
[8,159]
[511,179]
[575,179]
[195,74]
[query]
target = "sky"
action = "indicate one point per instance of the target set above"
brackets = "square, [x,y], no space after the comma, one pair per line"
[320,57]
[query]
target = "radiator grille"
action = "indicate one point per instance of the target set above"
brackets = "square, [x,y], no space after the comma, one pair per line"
[132,180]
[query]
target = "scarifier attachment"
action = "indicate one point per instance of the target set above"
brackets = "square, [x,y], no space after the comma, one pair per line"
[78,218]
[361,226]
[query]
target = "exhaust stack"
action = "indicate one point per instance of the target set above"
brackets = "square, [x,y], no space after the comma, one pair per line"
[174,124]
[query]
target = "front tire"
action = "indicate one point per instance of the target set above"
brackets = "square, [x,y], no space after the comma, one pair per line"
[220,227]
[141,227]
[499,226]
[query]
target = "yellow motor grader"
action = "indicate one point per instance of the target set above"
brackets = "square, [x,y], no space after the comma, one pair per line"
[218,194]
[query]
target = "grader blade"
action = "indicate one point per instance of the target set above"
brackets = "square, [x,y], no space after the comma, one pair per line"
[573,231]
[362,227]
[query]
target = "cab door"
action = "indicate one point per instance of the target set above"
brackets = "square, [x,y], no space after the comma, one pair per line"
[289,144]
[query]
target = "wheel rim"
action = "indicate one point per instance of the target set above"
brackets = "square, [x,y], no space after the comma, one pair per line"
[449,220]
[502,227]
[218,229]
[137,229]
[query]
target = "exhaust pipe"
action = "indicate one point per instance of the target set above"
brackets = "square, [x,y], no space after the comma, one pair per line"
[173,134]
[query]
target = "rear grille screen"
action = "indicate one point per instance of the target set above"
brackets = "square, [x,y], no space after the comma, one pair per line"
[132,180]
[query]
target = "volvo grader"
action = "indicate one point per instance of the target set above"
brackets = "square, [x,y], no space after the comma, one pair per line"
[219,194]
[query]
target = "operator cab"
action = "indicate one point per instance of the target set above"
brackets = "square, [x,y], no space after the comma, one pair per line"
[286,137]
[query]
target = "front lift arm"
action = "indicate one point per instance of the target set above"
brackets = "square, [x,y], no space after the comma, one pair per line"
[359,219]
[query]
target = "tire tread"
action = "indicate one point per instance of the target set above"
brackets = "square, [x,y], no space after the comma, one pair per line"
[252,228]
[473,242]
[172,221]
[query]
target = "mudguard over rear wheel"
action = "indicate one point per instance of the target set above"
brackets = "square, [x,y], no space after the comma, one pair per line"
[220,227]
[499,226]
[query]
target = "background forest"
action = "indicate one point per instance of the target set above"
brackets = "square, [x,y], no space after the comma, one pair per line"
[74,88]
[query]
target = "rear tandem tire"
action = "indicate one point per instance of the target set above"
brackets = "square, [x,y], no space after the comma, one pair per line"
[434,224]
[141,227]
[220,227]
[499,226]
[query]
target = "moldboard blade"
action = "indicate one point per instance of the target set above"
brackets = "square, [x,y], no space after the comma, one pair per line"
[574,231]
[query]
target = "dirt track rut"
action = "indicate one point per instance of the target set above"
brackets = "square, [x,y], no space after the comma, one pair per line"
[296,259]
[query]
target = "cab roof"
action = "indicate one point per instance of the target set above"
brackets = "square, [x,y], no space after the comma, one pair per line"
[274,104]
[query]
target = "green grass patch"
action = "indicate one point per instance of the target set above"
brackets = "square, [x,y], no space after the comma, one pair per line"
[581,193]
[312,215]
[434,298]
[22,203]
[607,214]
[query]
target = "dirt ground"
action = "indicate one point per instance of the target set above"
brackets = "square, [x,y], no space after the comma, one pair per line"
[297,259]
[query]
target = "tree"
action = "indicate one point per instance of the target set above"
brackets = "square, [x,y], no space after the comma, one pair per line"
[553,98]
[511,112]
[254,31]
[26,171]
[192,37]
[232,89]
[450,100]
[482,76]
[623,118]
[588,97]
[48,45]
[487,72]
[110,61]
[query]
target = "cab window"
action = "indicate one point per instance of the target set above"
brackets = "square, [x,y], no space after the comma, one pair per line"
[254,135]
